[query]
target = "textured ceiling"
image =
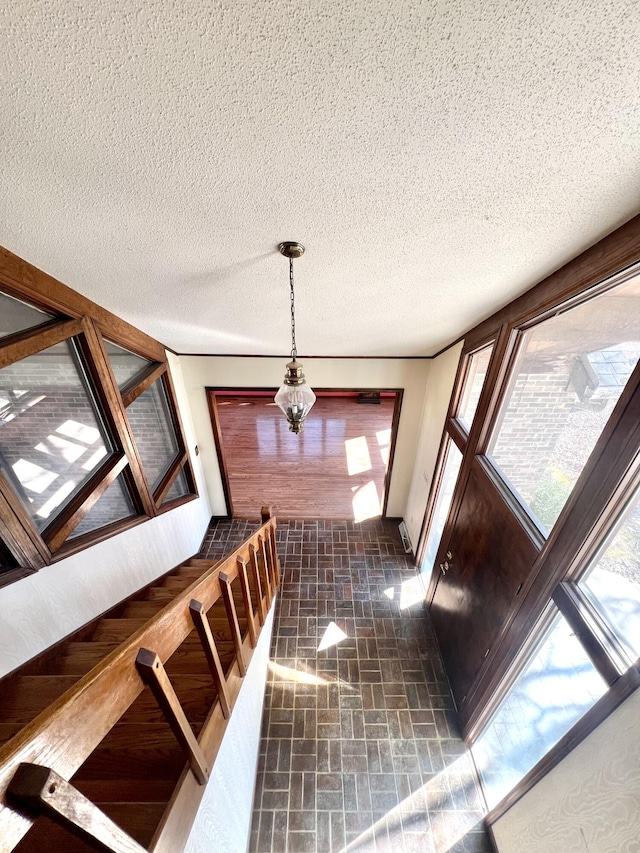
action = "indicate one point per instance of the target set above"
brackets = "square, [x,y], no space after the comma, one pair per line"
[436,158]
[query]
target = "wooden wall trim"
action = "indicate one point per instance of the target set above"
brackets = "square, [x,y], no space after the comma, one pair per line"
[24,280]
[614,253]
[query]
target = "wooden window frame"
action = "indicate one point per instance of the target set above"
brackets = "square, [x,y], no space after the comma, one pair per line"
[75,317]
[602,485]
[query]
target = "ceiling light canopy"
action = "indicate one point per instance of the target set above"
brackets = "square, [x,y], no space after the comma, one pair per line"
[295,397]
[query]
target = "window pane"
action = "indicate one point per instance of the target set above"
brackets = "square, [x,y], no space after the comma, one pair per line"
[554,690]
[51,434]
[479,362]
[114,505]
[570,375]
[152,425]
[16,316]
[7,560]
[179,488]
[125,365]
[443,503]
[613,579]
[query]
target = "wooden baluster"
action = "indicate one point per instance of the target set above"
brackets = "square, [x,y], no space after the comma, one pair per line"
[211,652]
[264,570]
[232,616]
[246,597]
[155,676]
[274,552]
[267,515]
[43,790]
[255,574]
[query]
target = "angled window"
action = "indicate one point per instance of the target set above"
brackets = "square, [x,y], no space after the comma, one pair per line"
[114,505]
[7,560]
[52,434]
[570,372]
[154,432]
[127,366]
[17,316]
[179,489]
[147,395]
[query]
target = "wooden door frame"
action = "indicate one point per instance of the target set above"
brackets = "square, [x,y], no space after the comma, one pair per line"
[211,392]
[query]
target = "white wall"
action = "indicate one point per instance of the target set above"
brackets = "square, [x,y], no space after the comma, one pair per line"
[590,802]
[43,608]
[228,371]
[223,822]
[442,375]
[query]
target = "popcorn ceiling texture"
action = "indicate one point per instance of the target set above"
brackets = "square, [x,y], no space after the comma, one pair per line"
[436,158]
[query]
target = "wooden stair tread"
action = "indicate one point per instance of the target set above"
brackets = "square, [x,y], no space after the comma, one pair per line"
[80,658]
[28,695]
[117,630]
[140,820]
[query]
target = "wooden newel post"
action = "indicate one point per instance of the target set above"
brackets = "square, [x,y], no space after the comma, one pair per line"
[266,514]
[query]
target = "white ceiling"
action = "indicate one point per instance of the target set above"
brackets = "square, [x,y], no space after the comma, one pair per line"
[436,159]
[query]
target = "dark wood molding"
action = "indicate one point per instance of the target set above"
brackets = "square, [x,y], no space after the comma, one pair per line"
[108,392]
[139,385]
[287,356]
[34,341]
[96,486]
[616,252]
[169,476]
[27,282]
[395,423]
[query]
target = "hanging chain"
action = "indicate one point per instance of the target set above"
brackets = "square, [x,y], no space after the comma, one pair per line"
[294,351]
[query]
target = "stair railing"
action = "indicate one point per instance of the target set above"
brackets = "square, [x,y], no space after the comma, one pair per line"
[36,764]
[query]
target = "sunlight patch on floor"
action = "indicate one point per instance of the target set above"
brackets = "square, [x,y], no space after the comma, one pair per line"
[358,459]
[331,637]
[447,828]
[411,592]
[366,502]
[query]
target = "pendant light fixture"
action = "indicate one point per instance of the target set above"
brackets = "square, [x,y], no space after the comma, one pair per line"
[295,398]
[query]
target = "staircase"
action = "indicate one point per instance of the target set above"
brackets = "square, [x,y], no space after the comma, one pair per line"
[107,742]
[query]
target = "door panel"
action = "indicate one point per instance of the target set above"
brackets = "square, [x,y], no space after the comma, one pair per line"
[491,556]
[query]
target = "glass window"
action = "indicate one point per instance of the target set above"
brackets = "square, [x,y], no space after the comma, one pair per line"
[553,691]
[612,581]
[52,437]
[179,488]
[7,560]
[474,383]
[16,316]
[571,372]
[443,503]
[114,504]
[125,365]
[154,432]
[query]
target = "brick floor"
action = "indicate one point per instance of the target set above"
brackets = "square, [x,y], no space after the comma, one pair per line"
[359,748]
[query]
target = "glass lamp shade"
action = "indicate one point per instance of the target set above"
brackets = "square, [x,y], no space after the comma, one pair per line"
[295,398]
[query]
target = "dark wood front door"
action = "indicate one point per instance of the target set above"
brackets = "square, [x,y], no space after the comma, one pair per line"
[482,568]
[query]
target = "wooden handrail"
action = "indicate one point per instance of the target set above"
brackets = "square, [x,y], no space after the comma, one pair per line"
[63,736]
